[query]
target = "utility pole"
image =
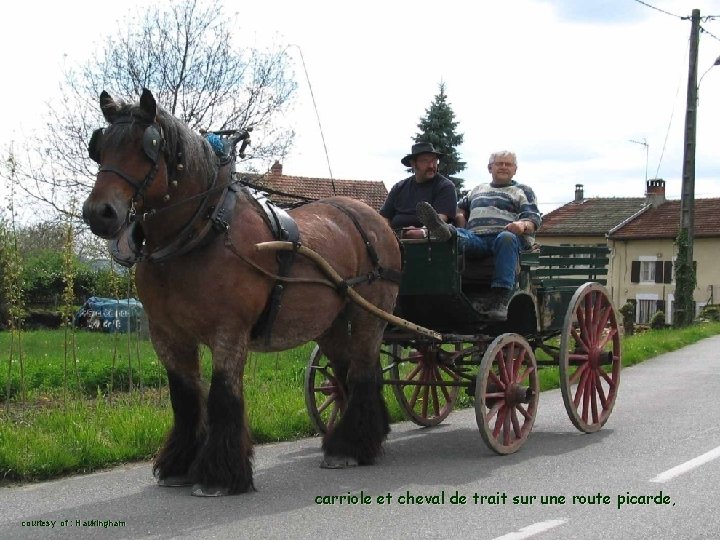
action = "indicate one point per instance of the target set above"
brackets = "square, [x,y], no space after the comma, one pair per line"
[685,275]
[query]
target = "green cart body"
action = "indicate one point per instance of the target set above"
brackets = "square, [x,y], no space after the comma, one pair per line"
[560,306]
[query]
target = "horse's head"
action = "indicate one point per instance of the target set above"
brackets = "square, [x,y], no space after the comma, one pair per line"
[133,174]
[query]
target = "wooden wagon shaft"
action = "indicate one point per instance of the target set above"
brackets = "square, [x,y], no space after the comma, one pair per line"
[338,280]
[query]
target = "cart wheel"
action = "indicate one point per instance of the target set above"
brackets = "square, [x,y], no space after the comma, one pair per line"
[324,395]
[590,342]
[506,393]
[422,402]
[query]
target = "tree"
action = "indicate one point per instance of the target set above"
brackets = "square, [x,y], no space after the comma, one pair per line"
[438,127]
[184,53]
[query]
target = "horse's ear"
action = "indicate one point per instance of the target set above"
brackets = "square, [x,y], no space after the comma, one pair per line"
[108,106]
[148,104]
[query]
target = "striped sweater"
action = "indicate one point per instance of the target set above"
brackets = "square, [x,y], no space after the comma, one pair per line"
[490,208]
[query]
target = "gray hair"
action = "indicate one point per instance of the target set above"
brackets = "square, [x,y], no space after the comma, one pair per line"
[502,154]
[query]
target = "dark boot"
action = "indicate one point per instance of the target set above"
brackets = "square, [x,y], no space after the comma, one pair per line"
[437,229]
[497,309]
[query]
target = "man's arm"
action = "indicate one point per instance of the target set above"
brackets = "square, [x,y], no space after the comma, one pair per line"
[445,202]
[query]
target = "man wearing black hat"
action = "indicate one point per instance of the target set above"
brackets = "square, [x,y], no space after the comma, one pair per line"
[426,184]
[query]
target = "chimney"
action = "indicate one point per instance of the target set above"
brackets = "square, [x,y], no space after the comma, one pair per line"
[579,194]
[655,192]
[276,168]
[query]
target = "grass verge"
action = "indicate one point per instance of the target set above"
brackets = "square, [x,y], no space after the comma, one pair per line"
[58,430]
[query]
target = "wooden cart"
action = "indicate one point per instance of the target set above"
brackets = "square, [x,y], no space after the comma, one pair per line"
[560,307]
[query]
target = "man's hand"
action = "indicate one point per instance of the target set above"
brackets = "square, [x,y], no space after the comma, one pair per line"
[520,227]
[414,232]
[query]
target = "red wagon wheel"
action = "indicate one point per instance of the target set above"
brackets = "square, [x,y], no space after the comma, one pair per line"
[506,393]
[426,389]
[324,395]
[590,358]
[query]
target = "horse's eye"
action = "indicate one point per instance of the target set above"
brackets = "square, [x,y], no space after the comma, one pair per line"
[94,144]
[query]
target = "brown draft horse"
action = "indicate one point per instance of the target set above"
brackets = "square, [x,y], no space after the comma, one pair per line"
[160,176]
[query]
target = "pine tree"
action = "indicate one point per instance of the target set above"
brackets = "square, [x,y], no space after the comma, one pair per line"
[438,127]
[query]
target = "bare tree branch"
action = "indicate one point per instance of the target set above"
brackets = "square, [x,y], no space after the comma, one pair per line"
[186,54]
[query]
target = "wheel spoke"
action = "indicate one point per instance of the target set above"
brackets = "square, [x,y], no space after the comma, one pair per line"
[444,390]
[610,335]
[333,417]
[597,309]
[425,400]
[506,427]
[593,397]
[601,393]
[578,339]
[589,316]
[435,399]
[502,367]
[414,372]
[509,362]
[524,412]
[578,372]
[519,361]
[414,396]
[496,380]
[494,411]
[330,399]
[528,372]
[607,378]
[515,423]
[586,396]
[580,389]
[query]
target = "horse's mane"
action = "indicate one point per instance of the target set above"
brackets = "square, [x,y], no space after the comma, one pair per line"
[182,145]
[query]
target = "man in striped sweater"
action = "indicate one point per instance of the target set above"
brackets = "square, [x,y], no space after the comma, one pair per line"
[502,218]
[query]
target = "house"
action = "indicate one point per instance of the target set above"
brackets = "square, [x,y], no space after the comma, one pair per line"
[644,252]
[641,234]
[284,189]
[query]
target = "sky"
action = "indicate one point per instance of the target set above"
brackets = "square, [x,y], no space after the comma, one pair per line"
[588,92]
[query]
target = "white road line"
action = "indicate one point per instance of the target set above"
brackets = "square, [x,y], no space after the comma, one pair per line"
[687,466]
[532,530]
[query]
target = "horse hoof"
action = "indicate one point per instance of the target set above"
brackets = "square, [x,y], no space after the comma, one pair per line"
[337,462]
[198,490]
[175,481]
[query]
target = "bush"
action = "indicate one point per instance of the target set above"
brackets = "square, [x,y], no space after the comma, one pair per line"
[44,278]
[628,315]
[710,312]
[658,320]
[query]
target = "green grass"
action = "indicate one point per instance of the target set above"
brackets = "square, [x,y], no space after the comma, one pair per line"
[63,427]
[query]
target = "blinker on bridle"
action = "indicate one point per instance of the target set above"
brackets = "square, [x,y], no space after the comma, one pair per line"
[153,145]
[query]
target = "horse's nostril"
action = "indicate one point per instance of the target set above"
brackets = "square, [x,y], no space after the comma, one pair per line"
[108,212]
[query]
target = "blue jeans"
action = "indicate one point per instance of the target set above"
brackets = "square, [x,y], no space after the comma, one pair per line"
[504,246]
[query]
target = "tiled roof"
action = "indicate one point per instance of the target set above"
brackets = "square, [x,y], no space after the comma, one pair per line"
[372,192]
[590,217]
[664,221]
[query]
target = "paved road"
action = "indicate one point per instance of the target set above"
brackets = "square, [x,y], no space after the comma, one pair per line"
[664,418]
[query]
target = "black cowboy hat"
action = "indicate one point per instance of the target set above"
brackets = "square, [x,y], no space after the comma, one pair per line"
[420,148]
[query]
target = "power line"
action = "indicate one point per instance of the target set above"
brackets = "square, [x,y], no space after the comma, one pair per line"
[709,33]
[660,10]
[317,115]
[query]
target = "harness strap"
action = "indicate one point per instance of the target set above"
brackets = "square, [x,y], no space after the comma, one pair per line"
[379,271]
[284,228]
